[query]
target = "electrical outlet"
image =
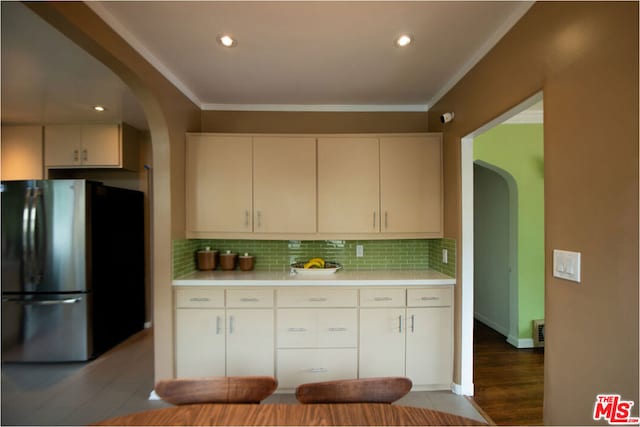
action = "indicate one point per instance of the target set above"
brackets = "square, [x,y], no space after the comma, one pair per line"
[359,251]
[445,256]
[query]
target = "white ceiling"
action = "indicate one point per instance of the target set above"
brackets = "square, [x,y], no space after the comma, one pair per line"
[318,56]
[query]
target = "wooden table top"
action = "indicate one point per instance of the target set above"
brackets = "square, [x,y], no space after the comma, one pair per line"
[291,414]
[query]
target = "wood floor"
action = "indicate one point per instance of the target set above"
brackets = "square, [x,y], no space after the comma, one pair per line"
[508,381]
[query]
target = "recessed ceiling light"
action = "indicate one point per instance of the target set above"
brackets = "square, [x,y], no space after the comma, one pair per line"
[99,108]
[226,40]
[404,40]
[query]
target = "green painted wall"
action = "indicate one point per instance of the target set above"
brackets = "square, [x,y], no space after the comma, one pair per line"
[518,149]
[277,255]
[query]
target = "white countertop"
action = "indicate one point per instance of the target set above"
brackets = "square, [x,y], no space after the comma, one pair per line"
[340,278]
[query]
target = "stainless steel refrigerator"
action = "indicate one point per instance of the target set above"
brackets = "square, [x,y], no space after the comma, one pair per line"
[72,269]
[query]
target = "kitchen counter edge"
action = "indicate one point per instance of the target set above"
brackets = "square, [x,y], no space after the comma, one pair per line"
[341,278]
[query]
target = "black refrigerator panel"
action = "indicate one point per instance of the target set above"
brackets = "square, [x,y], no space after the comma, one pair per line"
[44,236]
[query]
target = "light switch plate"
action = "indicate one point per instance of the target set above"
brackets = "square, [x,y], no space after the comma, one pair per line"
[359,251]
[566,265]
[445,256]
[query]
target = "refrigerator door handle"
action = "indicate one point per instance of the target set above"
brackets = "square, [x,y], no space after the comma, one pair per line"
[43,302]
[26,234]
[38,245]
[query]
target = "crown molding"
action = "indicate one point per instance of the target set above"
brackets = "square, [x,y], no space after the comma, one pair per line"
[316,107]
[518,13]
[139,47]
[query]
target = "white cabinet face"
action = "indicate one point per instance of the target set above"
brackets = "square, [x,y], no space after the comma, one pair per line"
[200,342]
[299,366]
[382,342]
[250,342]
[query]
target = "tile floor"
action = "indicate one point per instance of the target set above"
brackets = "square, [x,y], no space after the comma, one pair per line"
[119,382]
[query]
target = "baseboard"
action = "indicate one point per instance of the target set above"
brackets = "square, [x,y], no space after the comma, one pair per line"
[520,342]
[154,396]
[462,391]
[490,323]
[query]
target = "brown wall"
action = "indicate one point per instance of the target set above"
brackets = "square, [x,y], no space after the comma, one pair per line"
[312,122]
[169,115]
[584,56]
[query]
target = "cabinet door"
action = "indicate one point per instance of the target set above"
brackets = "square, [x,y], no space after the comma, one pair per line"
[101,145]
[250,342]
[218,178]
[284,184]
[348,185]
[299,366]
[22,156]
[62,145]
[430,346]
[382,342]
[411,184]
[200,342]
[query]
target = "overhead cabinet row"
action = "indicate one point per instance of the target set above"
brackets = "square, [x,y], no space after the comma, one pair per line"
[308,185]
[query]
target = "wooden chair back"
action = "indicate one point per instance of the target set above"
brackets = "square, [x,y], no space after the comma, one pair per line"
[181,391]
[363,390]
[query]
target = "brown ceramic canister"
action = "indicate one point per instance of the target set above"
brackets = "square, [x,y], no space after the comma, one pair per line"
[228,260]
[246,262]
[207,259]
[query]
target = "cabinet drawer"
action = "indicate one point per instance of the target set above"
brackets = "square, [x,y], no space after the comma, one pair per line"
[299,366]
[317,297]
[384,297]
[317,328]
[431,297]
[199,298]
[241,298]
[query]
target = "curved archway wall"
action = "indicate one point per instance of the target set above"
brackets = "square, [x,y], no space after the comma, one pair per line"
[516,150]
[584,57]
[169,115]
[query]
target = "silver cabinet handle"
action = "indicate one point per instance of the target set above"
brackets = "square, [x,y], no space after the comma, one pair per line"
[43,302]
[430,298]
[250,299]
[297,330]
[259,217]
[85,155]
[199,299]
[374,219]
[413,322]
[76,155]
[400,323]
[218,326]
[317,299]
[246,217]
[383,299]
[338,329]
[318,370]
[231,324]
[386,219]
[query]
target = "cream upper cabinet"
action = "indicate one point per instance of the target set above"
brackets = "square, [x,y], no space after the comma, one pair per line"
[411,184]
[219,183]
[91,146]
[22,156]
[348,185]
[284,184]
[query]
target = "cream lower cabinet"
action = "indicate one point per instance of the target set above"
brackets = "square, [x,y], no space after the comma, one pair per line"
[309,334]
[413,339]
[212,340]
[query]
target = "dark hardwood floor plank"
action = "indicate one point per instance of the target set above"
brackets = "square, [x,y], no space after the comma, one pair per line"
[509,382]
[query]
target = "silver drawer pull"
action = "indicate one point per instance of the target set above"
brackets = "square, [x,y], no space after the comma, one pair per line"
[338,329]
[429,298]
[383,299]
[318,370]
[297,330]
[199,299]
[317,299]
[249,299]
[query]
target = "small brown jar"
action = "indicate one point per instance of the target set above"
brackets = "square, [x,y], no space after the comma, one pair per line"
[246,262]
[207,259]
[228,260]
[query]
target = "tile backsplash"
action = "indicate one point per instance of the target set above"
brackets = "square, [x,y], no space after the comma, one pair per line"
[277,255]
